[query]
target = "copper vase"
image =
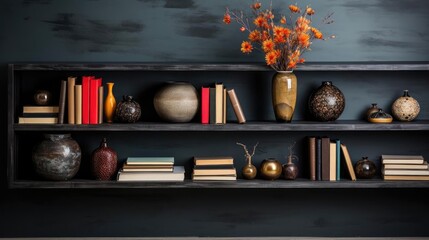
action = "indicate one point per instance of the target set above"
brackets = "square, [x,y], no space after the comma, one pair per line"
[104,162]
[284,92]
[249,171]
[270,169]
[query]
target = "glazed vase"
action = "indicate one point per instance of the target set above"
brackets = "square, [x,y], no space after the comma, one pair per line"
[270,169]
[128,110]
[327,102]
[109,104]
[57,157]
[176,102]
[380,117]
[249,171]
[373,109]
[405,108]
[365,168]
[104,162]
[284,94]
[290,169]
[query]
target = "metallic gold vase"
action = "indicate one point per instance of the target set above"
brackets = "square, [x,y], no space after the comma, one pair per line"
[249,171]
[284,92]
[270,169]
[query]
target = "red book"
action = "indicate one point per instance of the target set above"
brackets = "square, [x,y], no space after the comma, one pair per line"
[205,105]
[93,100]
[85,99]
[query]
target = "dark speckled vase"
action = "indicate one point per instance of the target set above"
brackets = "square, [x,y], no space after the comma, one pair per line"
[327,102]
[104,162]
[57,157]
[128,110]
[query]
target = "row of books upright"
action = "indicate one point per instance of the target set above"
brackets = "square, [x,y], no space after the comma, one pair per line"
[404,167]
[214,104]
[83,101]
[325,159]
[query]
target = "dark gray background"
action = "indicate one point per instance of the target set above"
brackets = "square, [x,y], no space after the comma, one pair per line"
[192,31]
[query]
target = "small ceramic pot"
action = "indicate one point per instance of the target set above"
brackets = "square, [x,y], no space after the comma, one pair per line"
[128,110]
[373,109]
[270,169]
[405,108]
[365,168]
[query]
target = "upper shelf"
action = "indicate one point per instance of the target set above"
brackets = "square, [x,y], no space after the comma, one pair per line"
[310,66]
[341,125]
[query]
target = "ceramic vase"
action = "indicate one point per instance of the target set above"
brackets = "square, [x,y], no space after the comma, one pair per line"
[373,109]
[57,157]
[290,169]
[284,93]
[249,171]
[365,168]
[405,108]
[327,102]
[128,110]
[104,162]
[176,102]
[109,103]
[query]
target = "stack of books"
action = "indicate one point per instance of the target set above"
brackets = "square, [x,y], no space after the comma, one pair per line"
[151,169]
[39,115]
[404,167]
[214,169]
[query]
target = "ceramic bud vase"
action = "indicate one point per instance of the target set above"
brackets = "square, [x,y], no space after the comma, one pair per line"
[109,104]
[405,108]
[104,162]
[327,102]
[284,93]
[290,169]
[249,171]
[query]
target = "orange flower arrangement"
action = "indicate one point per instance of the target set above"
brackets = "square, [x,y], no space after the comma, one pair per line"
[284,42]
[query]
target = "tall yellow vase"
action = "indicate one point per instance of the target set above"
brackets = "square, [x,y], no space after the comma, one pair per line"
[109,103]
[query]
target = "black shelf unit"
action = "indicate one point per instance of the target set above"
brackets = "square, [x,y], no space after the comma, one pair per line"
[420,126]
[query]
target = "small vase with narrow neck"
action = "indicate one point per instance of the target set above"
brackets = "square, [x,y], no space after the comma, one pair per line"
[284,93]
[109,103]
[249,170]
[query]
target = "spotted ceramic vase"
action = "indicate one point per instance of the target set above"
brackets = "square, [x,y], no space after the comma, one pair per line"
[405,108]
[104,162]
[128,110]
[327,102]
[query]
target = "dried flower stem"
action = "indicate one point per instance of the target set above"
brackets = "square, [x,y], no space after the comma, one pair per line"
[246,152]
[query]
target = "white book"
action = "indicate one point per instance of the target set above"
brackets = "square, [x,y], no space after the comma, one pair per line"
[177,175]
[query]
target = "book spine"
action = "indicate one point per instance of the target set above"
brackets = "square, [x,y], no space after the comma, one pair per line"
[338,158]
[319,159]
[100,104]
[70,96]
[62,102]
[236,106]
[78,104]
[332,161]
[325,159]
[312,157]
[219,103]
[93,101]
[85,99]
[224,106]
[212,103]
[205,105]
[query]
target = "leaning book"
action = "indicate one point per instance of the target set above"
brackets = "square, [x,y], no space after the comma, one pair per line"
[178,175]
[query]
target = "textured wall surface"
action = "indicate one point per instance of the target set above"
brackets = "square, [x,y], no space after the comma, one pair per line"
[192,31]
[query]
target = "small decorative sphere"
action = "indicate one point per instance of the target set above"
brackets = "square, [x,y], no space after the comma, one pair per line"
[42,97]
[405,108]
[365,168]
[270,169]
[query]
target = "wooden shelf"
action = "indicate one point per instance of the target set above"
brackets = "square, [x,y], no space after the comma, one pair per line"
[239,184]
[310,66]
[345,125]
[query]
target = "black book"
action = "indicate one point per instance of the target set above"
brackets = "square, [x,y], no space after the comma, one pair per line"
[318,159]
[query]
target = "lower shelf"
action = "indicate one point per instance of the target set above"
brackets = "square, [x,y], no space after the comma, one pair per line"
[239,184]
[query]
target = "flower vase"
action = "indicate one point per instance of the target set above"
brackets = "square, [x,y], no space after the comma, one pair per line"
[284,92]
[249,170]
[109,103]
[104,162]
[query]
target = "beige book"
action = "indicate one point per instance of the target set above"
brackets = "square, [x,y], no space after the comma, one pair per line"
[407,166]
[37,120]
[406,172]
[71,81]
[40,109]
[349,162]
[409,178]
[100,104]
[224,106]
[332,161]
[219,103]
[236,106]
[78,103]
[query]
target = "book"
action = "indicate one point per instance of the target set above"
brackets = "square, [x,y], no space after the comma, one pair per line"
[214,178]
[224,106]
[205,105]
[213,160]
[348,161]
[62,102]
[212,105]
[71,81]
[128,166]
[326,159]
[94,84]
[178,174]
[85,99]
[312,157]
[78,103]
[38,120]
[100,104]
[132,168]
[219,103]
[407,166]
[338,158]
[214,170]
[402,159]
[416,172]
[332,161]
[318,159]
[38,115]
[150,160]
[236,106]
[410,178]
[40,109]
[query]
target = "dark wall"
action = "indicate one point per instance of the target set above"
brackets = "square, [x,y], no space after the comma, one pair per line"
[192,31]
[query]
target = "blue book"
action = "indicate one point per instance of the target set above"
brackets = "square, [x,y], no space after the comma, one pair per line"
[338,147]
[150,160]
